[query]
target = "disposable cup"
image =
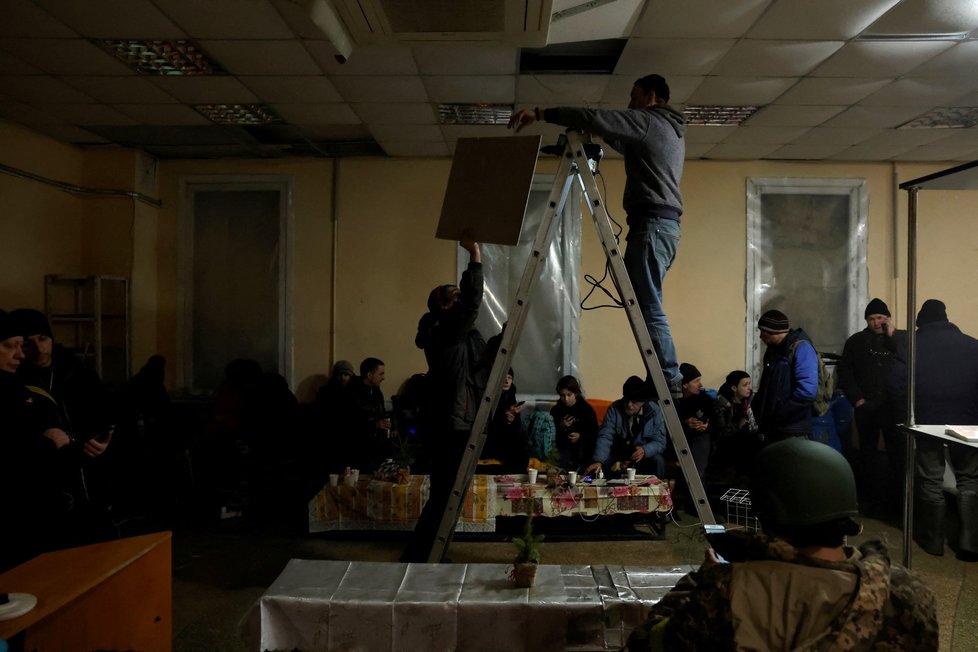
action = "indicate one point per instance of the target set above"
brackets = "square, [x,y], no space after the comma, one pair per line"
[572,478]
[355,474]
[531,476]
[631,474]
[334,479]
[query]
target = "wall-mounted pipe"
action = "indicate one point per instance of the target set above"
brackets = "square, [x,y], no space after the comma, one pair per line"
[81,190]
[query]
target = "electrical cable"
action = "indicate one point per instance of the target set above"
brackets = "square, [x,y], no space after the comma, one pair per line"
[597,284]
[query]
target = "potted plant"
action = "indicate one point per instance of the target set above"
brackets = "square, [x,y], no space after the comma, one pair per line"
[527,552]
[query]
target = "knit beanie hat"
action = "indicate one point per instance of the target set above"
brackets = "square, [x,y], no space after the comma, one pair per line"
[876,307]
[636,389]
[689,372]
[31,322]
[8,327]
[773,321]
[932,311]
[343,367]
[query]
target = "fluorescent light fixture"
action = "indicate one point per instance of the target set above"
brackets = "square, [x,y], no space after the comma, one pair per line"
[948,36]
[238,114]
[952,117]
[474,114]
[161,57]
[718,116]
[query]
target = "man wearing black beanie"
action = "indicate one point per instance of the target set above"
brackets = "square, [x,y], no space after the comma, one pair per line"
[863,372]
[789,379]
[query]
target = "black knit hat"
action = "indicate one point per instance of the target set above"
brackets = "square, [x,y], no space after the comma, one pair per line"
[933,310]
[773,321]
[636,389]
[8,327]
[876,307]
[31,322]
[689,372]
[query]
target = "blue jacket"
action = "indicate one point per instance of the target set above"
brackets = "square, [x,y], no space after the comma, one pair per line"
[783,404]
[612,436]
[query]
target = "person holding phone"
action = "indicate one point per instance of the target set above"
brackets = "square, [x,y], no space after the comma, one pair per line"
[576,423]
[506,441]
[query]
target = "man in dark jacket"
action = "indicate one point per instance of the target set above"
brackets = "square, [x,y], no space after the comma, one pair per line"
[650,134]
[863,373]
[946,387]
[633,433]
[789,380]
[455,352]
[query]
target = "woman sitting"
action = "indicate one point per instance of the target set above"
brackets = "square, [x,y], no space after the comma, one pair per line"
[577,425]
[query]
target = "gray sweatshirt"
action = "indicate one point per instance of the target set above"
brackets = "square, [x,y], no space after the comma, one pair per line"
[652,143]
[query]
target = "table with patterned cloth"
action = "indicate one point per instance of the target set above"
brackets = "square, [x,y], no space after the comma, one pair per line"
[380,505]
[341,605]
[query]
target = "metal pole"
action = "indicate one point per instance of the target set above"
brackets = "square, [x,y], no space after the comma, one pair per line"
[911,446]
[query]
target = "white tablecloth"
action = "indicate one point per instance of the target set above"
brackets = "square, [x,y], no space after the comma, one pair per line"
[372,606]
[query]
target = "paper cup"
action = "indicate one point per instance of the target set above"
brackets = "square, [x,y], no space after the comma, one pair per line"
[348,480]
[334,479]
[355,474]
[531,476]
[572,478]
[631,474]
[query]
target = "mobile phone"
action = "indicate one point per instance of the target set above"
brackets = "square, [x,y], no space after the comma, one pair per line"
[519,403]
[104,437]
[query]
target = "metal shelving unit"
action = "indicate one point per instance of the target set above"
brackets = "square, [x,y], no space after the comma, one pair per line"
[90,316]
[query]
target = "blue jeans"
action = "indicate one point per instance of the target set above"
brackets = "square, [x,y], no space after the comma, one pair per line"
[652,246]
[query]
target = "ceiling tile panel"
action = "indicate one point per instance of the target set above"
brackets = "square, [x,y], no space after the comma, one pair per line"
[383,113]
[957,62]
[381,89]
[823,20]
[876,117]
[65,56]
[89,114]
[136,19]
[698,150]
[500,89]
[905,137]
[419,150]
[836,136]
[880,58]
[952,147]
[26,18]
[743,152]
[454,132]
[334,132]
[39,90]
[552,90]
[218,19]
[704,134]
[293,89]
[775,58]
[364,60]
[254,57]
[11,65]
[780,115]
[920,92]
[206,90]
[928,16]
[740,91]
[699,18]
[863,152]
[162,114]
[115,90]
[671,56]
[466,59]
[811,152]
[317,114]
[831,91]
[406,133]
[764,135]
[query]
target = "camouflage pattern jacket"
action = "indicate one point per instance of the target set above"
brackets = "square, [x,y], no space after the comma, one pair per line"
[775,598]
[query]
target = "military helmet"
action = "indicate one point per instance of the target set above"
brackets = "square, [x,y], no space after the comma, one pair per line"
[799,483]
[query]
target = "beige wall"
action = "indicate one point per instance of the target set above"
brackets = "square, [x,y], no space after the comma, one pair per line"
[385,213]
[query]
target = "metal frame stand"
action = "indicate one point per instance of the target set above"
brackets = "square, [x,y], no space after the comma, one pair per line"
[573,166]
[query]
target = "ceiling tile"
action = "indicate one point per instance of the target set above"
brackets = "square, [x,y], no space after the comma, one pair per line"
[928,16]
[206,90]
[705,134]
[697,150]
[880,58]
[406,133]
[952,147]
[812,152]
[671,56]
[25,18]
[764,135]
[420,150]
[957,61]
[114,90]
[132,19]
[65,56]
[822,20]
[454,132]
[878,117]
[401,114]
[317,114]
[775,58]
[907,138]
[255,57]
[619,89]
[740,91]
[163,114]
[88,114]
[334,132]
[555,90]
[293,89]
[11,65]
[920,92]
[689,18]
[745,152]
[835,136]
[830,91]
[499,89]
[863,152]
[38,90]
[466,59]
[161,135]
[381,89]
[364,60]
[781,115]
[237,19]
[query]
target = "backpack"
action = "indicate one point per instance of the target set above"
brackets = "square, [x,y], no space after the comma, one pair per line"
[541,435]
[826,382]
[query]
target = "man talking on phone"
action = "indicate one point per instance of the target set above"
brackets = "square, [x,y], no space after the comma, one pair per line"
[863,371]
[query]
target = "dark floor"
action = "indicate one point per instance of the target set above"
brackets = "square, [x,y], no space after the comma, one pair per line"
[221,569]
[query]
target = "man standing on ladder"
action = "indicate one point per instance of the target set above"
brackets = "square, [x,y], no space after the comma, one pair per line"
[650,135]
